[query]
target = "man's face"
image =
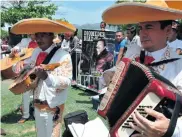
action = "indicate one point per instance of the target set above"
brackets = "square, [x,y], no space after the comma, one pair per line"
[172,35]
[102,25]
[32,36]
[129,34]
[67,36]
[100,47]
[119,36]
[152,36]
[44,40]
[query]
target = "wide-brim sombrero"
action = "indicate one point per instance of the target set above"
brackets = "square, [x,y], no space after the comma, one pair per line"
[134,12]
[67,24]
[34,25]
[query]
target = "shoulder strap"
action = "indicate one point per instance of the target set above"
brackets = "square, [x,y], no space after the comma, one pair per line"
[174,118]
[50,55]
[142,56]
[163,62]
[142,59]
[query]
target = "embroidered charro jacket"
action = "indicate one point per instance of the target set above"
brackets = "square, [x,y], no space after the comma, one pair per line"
[171,71]
[54,89]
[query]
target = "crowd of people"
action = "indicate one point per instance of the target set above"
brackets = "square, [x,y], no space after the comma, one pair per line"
[159,39]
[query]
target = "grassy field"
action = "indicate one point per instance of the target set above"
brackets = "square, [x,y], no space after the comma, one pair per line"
[77,100]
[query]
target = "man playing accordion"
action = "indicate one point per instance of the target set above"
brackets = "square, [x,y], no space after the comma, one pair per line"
[155,21]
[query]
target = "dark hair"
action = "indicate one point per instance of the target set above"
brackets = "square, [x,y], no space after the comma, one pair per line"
[165,23]
[62,36]
[132,29]
[49,33]
[76,32]
[103,40]
[103,22]
[120,31]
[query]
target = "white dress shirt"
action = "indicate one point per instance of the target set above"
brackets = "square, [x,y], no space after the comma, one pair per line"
[176,44]
[23,43]
[65,45]
[54,88]
[171,71]
[135,41]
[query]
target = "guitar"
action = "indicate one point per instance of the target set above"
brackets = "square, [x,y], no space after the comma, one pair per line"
[27,80]
[8,62]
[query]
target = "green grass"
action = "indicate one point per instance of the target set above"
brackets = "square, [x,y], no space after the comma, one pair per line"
[77,100]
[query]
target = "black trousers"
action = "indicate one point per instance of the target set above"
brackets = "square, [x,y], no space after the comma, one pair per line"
[75,57]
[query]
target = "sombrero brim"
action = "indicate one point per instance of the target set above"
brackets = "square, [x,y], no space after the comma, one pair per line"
[34,25]
[134,12]
[67,24]
[175,4]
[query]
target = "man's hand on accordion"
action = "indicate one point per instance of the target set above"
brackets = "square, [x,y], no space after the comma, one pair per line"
[148,128]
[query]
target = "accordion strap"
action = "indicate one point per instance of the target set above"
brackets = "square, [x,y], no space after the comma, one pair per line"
[142,60]
[173,121]
[162,62]
[50,55]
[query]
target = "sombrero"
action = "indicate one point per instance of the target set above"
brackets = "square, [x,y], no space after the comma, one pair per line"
[34,25]
[151,10]
[67,24]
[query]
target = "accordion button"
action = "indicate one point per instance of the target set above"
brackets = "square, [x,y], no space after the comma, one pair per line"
[126,127]
[130,121]
[140,109]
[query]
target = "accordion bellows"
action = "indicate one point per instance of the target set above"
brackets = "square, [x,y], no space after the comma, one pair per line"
[133,87]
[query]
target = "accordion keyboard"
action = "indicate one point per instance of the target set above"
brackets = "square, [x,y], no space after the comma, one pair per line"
[151,100]
[141,110]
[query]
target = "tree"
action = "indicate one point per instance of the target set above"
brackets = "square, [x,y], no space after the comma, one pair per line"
[13,11]
[63,19]
[3,33]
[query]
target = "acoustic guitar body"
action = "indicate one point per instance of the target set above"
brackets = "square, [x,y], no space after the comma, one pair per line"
[8,62]
[27,80]
[8,74]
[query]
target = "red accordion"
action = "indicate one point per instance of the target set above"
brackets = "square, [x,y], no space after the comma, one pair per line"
[133,87]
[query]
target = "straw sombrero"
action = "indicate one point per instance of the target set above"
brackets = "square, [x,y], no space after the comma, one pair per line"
[134,12]
[34,25]
[67,24]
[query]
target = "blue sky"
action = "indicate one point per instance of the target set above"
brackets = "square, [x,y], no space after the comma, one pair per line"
[81,12]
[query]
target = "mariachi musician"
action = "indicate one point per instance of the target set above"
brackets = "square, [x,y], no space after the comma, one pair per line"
[51,91]
[29,42]
[155,21]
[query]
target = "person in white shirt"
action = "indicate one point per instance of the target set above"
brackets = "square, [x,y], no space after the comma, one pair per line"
[153,36]
[29,42]
[25,43]
[66,42]
[173,42]
[53,85]
[132,37]
[159,52]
